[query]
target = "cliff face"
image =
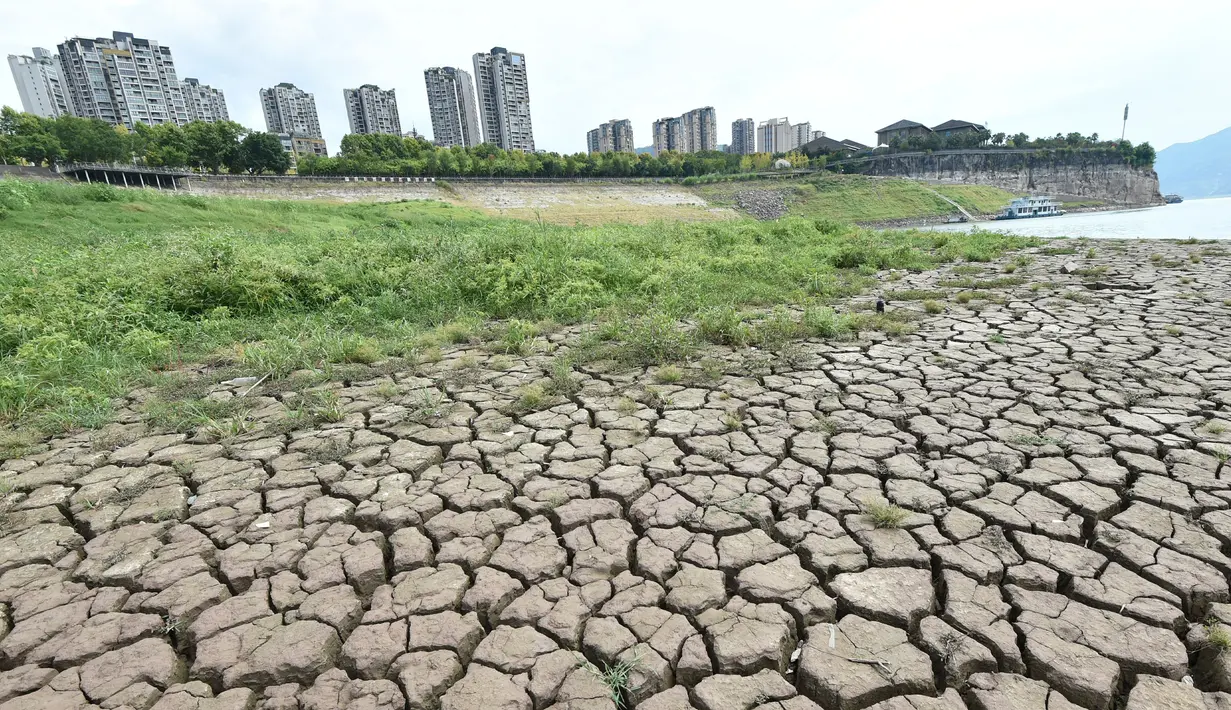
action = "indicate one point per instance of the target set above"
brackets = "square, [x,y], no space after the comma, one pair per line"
[1100,177]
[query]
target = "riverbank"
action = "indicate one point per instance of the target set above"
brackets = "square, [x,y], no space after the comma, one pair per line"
[1029,449]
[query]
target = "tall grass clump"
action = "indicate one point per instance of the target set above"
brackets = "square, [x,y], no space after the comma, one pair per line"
[103,285]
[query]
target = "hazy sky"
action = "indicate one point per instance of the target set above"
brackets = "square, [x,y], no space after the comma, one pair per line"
[1041,67]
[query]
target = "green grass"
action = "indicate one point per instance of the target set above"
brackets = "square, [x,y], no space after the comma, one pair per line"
[99,294]
[861,199]
[885,515]
[977,199]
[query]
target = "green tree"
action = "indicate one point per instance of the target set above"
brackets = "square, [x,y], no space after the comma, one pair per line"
[165,145]
[998,139]
[88,140]
[260,152]
[212,145]
[29,138]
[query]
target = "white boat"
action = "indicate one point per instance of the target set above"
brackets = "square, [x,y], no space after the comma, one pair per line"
[1026,207]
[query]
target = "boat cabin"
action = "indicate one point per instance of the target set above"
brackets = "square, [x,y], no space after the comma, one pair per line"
[1032,207]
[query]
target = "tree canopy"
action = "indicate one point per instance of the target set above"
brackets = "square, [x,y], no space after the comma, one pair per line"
[215,147]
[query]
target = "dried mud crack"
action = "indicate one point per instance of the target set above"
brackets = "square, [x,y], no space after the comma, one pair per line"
[1025,503]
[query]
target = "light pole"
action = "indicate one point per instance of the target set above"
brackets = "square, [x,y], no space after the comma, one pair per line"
[1124,125]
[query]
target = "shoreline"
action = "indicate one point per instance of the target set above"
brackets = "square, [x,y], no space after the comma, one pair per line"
[938,220]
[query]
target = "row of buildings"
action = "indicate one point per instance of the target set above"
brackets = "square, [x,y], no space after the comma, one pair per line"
[502,108]
[697,131]
[126,80]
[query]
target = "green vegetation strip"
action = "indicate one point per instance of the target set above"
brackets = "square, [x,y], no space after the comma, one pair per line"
[103,287]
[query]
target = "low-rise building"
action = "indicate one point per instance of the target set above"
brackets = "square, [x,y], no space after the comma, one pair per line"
[955,127]
[901,131]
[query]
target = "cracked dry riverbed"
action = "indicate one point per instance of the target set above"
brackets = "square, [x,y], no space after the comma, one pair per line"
[1047,467]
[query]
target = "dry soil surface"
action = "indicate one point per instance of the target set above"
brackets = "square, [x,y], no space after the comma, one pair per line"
[1059,460]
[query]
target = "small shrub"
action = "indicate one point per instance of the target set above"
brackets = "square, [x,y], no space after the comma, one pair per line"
[885,515]
[1217,637]
[1010,268]
[996,338]
[964,297]
[531,398]
[823,322]
[668,375]
[933,307]
[1090,253]
[1214,426]
[1156,258]
[724,326]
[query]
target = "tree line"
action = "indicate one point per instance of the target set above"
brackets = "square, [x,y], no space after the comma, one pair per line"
[1141,155]
[389,155]
[213,147]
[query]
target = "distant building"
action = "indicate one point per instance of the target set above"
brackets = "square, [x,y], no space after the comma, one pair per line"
[504,99]
[450,100]
[900,131]
[371,110]
[823,145]
[38,83]
[815,134]
[615,135]
[775,135]
[204,103]
[743,137]
[124,80]
[661,135]
[800,133]
[289,109]
[695,131]
[298,146]
[954,127]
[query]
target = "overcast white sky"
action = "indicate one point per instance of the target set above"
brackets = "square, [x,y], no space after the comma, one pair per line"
[848,67]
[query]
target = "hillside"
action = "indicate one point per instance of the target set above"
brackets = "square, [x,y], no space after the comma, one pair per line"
[855,199]
[128,280]
[1201,168]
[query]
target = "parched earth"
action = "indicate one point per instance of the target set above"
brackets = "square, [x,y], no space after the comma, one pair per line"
[1048,470]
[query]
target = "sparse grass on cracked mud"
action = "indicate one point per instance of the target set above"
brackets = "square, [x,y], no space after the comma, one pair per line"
[107,286]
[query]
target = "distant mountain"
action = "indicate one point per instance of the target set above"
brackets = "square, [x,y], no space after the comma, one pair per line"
[647,149]
[1198,169]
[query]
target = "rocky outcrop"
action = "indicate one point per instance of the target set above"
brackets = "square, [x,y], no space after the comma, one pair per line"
[1087,175]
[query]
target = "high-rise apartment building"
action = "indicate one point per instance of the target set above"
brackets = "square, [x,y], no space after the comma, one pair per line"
[801,133]
[504,99]
[695,131]
[38,83]
[289,109]
[123,80]
[743,137]
[450,100]
[661,135]
[778,135]
[371,110]
[701,129]
[615,135]
[204,102]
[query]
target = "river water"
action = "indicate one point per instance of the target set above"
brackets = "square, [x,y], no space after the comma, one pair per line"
[1208,218]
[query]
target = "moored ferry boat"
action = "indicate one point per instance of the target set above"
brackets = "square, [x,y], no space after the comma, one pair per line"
[1026,207]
